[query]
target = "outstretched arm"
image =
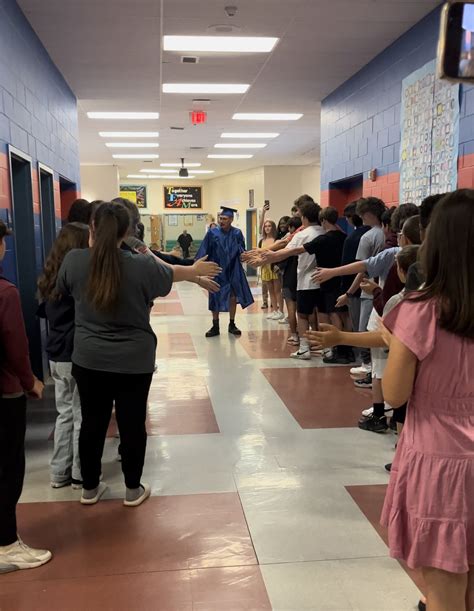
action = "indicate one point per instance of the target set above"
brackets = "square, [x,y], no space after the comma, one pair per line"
[323,274]
[285,253]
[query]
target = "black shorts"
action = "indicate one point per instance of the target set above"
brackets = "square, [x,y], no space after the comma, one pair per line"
[289,294]
[327,302]
[400,414]
[307,301]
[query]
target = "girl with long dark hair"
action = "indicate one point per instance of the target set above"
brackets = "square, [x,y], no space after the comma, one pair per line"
[114,344]
[59,311]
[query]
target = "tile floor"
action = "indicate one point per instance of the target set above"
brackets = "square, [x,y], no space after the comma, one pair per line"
[264,494]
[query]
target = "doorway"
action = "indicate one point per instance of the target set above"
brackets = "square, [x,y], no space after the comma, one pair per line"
[48,216]
[343,192]
[67,193]
[251,237]
[26,253]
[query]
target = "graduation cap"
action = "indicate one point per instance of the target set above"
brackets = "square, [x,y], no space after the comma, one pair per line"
[229,212]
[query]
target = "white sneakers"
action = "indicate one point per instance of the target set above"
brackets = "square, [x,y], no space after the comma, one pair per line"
[369,411]
[276,316]
[361,371]
[91,497]
[284,321]
[19,556]
[303,354]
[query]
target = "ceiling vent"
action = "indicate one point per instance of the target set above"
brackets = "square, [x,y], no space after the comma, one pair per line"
[179,129]
[223,28]
[197,148]
[189,59]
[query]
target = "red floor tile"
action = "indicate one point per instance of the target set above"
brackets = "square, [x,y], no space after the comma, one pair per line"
[267,344]
[183,553]
[177,408]
[176,345]
[370,500]
[320,397]
[109,539]
[167,308]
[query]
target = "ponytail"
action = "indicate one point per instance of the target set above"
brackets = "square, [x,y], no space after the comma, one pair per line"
[110,224]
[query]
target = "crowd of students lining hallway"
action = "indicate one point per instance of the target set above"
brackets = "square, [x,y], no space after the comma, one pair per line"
[402,315]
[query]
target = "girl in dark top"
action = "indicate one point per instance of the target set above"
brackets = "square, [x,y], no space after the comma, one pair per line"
[59,311]
[114,344]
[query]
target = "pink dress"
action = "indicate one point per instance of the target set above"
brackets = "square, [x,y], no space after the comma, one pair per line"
[429,507]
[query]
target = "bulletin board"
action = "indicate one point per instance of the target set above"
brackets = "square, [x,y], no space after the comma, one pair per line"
[134,193]
[429,135]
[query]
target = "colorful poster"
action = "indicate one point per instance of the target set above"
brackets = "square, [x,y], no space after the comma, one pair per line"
[135,193]
[183,197]
[430,135]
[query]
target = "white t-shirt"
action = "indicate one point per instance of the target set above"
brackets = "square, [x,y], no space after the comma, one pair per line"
[306,262]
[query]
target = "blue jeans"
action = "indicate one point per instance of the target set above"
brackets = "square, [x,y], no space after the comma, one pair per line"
[65,463]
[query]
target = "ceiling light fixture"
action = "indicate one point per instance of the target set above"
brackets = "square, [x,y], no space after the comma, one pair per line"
[249,135]
[208,88]
[137,156]
[178,165]
[129,134]
[267,116]
[203,171]
[220,44]
[123,115]
[240,145]
[150,171]
[132,145]
[230,156]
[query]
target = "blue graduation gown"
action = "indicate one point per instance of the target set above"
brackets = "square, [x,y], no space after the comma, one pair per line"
[225,249]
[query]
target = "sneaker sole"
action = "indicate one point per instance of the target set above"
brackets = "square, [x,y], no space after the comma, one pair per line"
[96,498]
[141,499]
[59,485]
[10,568]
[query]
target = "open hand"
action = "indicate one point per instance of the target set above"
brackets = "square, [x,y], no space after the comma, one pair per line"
[322,274]
[369,286]
[327,336]
[202,267]
[342,301]
[209,284]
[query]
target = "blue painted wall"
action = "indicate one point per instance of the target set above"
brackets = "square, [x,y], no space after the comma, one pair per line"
[360,127]
[38,110]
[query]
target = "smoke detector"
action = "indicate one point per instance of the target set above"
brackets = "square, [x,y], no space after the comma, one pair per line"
[223,28]
[189,59]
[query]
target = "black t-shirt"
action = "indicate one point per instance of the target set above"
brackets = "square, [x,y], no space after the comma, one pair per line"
[328,251]
[349,255]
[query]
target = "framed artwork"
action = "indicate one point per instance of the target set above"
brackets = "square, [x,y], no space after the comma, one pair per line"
[135,193]
[172,220]
[183,198]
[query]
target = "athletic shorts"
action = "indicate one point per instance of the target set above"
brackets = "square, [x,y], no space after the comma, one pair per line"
[289,294]
[379,362]
[327,302]
[307,301]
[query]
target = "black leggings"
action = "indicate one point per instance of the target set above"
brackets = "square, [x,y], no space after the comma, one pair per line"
[12,464]
[98,390]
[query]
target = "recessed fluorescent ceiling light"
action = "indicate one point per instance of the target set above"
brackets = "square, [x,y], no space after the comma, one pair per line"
[203,171]
[123,115]
[132,145]
[240,145]
[267,116]
[138,156]
[230,156]
[220,44]
[203,88]
[129,134]
[178,165]
[160,171]
[157,177]
[249,135]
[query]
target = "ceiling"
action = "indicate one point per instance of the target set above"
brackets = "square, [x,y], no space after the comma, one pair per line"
[109,51]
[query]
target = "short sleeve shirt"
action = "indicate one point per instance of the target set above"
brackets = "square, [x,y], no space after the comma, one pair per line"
[371,243]
[306,262]
[122,342]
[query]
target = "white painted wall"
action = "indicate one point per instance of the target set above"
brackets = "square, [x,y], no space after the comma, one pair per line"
[284,184]
[99,182]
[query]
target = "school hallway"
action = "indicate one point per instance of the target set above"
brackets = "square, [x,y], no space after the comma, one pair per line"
[265,495]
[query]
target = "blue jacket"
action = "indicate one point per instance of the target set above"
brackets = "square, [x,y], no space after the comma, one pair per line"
[225,249]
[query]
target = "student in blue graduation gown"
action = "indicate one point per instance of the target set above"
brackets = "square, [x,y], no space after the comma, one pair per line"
[224,245]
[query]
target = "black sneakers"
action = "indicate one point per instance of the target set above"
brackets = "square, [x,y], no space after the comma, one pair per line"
[213,331]
[373,424]
[234,330]
[365,382]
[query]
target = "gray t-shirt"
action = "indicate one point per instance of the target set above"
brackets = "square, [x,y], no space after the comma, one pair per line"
[371,243]
[123,342]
